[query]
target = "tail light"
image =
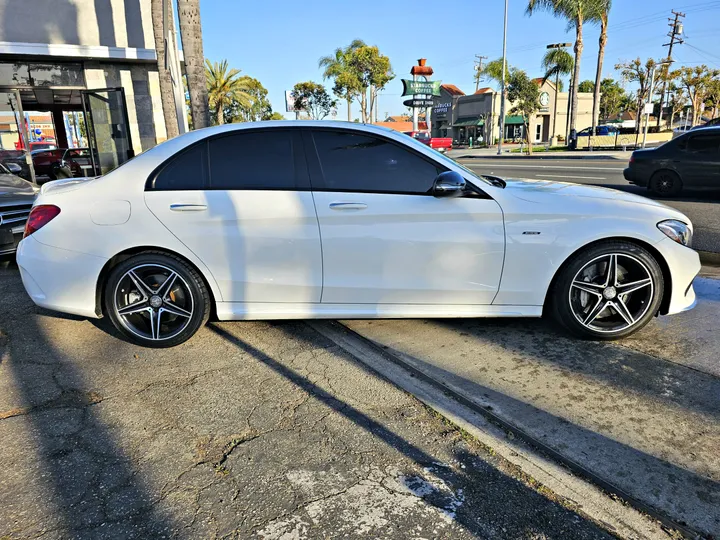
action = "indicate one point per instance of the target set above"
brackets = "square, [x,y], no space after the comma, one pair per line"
[40,216]
[632,158]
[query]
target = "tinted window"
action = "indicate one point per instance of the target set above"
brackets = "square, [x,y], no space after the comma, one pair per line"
[358,162]
[706,144]
[253,160]
[187,170]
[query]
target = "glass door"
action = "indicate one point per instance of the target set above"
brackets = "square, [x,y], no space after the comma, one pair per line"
[108,128]
[14,142]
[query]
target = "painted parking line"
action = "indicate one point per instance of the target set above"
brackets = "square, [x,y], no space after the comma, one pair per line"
[581,177]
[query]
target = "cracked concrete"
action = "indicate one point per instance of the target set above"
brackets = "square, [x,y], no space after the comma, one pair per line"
[250,430]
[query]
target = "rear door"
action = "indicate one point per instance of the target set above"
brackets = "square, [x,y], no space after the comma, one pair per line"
[241,203]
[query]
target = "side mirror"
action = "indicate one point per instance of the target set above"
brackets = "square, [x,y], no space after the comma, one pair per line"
[13,168]
[448,184]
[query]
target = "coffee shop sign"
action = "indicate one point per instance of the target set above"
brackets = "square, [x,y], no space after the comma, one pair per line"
[442,107]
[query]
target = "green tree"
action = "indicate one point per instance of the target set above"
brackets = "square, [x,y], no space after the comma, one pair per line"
[637,72]
[576,13]
[224,86]
[677,101]
[337,67]
[255,109]
[586,86]
[192,46]
[313,99]
[493,72]
[275,116]
[697,82]
[524,94]
[613,98]
[372,71]
[713,97]
[602,12]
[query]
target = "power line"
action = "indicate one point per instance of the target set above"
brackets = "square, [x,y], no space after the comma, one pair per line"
[478,69]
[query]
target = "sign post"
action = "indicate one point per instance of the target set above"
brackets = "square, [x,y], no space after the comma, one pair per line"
[421,91]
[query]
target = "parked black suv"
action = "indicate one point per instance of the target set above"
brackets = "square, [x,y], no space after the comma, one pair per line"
[16,199]
[690,161]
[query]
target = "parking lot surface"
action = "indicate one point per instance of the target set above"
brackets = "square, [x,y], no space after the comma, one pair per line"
[642,414]
[263,430]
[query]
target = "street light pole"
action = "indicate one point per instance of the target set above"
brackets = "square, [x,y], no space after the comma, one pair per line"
[649,98]
[502,97]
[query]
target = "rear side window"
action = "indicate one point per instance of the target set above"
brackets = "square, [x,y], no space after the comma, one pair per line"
[704,144]
[360,162]
[253,160]
[185,171]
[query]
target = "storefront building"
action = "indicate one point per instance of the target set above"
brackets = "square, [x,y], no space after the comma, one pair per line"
[477,116]
[89,68]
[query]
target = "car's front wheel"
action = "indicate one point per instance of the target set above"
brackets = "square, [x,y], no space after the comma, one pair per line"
[156,299]
[608,291]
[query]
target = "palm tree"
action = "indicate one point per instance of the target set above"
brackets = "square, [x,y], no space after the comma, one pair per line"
[225,86]
[577,13]
[167,95]
[603,11]
[557,62]
[337,68]
[191,36]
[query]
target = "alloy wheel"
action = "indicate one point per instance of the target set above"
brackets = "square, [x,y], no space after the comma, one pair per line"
[153,302]
[611,293]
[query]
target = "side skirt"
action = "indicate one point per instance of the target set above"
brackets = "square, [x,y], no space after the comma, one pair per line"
[236,311]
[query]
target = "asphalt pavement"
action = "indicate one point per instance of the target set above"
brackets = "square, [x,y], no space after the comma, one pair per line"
[702,208]
[249,430]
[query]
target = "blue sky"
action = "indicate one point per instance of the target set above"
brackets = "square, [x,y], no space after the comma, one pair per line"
[279,42]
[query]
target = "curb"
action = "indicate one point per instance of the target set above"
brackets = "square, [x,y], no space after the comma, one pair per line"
[709,257]
[522,157]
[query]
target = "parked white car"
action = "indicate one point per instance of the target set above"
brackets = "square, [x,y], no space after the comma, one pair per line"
[292,220]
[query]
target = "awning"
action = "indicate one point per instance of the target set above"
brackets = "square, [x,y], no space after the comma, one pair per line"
[510,120]
[464,122]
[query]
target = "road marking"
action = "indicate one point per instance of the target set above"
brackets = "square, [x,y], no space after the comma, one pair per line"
[583,177]
[511,166]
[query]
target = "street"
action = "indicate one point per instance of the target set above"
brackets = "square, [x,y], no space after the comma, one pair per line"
[701,207]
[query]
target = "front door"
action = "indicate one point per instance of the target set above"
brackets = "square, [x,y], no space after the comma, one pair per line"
[386,240]
[701,162]
[240,202]
[108,128]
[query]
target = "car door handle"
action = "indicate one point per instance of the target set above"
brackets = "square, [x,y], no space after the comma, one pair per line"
[188,207]
[348,206]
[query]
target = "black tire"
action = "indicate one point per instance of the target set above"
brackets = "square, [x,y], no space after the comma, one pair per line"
[187,293]
[575,295]
[665,183]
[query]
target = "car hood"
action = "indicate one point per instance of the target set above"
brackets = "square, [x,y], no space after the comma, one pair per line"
[12,186]
[535,190]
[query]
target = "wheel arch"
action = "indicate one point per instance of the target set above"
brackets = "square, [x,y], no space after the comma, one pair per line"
[130,252]
[667,276]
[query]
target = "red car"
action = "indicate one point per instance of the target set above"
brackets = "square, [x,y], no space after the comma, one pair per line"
[441,144]
[62,163]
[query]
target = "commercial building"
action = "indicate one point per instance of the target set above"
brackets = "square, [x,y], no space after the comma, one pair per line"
[92,61]
[477,115]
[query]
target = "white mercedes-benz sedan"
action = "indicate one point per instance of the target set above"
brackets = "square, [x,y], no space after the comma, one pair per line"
[287,220]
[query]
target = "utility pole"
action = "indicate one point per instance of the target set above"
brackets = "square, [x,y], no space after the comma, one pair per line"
[676,29]
[502,97]
[478,69]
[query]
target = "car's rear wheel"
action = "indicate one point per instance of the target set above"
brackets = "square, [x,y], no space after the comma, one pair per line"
[608,291]
[665,183]
[156,299]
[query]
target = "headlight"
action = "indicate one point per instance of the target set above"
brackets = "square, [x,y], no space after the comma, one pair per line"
[677,230]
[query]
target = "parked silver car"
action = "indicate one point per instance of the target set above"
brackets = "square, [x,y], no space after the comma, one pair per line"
[16,199]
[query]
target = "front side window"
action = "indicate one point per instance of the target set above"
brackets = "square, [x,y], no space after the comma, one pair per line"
[365,163]
[704,144]
[253,160]
[185,171]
